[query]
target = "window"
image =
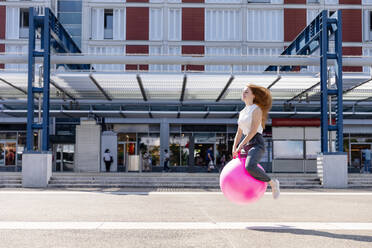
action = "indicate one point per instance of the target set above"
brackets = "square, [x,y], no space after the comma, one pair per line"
[23,23]
[223,24]
[223,51]
[174,24]
[288,149]
[108,26]
[270,20]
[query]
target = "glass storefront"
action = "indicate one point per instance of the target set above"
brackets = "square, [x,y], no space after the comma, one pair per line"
[12,145]
[150,143]
[64,157]
[179,149]
[11,148]
[354,144]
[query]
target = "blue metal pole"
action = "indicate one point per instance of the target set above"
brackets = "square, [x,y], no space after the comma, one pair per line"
[339,114]
[31,75]
[323,82]
[46,81]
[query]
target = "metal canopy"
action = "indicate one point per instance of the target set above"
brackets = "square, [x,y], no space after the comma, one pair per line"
[169,87]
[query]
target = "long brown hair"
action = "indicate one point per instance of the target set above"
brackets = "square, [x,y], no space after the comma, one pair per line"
[262,99]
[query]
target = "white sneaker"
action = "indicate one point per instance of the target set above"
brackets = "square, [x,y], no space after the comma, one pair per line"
[276,189]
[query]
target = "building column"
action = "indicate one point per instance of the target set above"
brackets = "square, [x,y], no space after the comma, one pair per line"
[191,164]
[164,139]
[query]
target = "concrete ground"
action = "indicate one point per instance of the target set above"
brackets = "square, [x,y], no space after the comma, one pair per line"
[183,218]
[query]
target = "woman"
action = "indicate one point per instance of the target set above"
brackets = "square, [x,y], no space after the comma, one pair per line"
[107,158]
[251,123]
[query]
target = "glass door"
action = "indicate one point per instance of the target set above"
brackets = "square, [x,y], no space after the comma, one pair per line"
[357,160]
[10,153]
[2,154]
[200,154]
[64,157]
[121,166]
[125,149]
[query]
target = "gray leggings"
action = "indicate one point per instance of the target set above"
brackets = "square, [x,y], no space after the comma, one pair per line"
[254,151]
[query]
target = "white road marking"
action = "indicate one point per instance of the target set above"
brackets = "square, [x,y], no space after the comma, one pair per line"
[184,225]
[180,193]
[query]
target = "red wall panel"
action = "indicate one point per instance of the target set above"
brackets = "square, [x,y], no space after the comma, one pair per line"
[294,1]
[137,23]
[193,1]
[2,49]
[2,21]
[193,50]
[137,49]
[294,23]
[295,122]
[352,25]
[193,24]
[352,51]
[349,1]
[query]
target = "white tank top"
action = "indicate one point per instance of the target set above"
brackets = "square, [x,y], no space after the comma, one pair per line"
[245,119]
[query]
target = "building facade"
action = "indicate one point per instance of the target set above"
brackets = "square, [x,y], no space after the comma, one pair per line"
[188,28]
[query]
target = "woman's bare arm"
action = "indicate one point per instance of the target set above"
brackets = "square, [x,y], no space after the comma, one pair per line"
[256,119]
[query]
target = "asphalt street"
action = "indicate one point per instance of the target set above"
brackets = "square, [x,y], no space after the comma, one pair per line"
[183,218]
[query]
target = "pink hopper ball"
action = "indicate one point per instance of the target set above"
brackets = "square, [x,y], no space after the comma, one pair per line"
[238,185]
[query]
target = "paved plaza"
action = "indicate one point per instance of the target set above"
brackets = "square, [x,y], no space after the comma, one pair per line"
[183,218]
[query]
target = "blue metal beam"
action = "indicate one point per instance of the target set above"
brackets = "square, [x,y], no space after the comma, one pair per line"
[338,70]
[316,35]
[306,42]
[62,42]
[54,37]
[31,77]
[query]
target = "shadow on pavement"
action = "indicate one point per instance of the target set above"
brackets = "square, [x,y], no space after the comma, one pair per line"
[354,237]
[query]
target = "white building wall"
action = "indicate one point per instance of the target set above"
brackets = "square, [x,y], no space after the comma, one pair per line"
[367,51]
[265,25]
[223,24]
[156,24]
[97,24]
[12,22]
[223,51]
[165,50]
[119,24]
[252,51]
[331,1]
[108,50]
[174,24]
[16,49]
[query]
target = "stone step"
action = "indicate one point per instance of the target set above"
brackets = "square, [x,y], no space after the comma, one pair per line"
[11,185]
[351,182]
[10,181]
[162,177]
[366,181]
[161,185]
[359,186]
[10,177]
[136,178]
[164,182]
[178,185]
[167,181]
[157,174]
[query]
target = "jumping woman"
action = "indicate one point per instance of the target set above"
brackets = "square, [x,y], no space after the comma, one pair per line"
[251,123]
